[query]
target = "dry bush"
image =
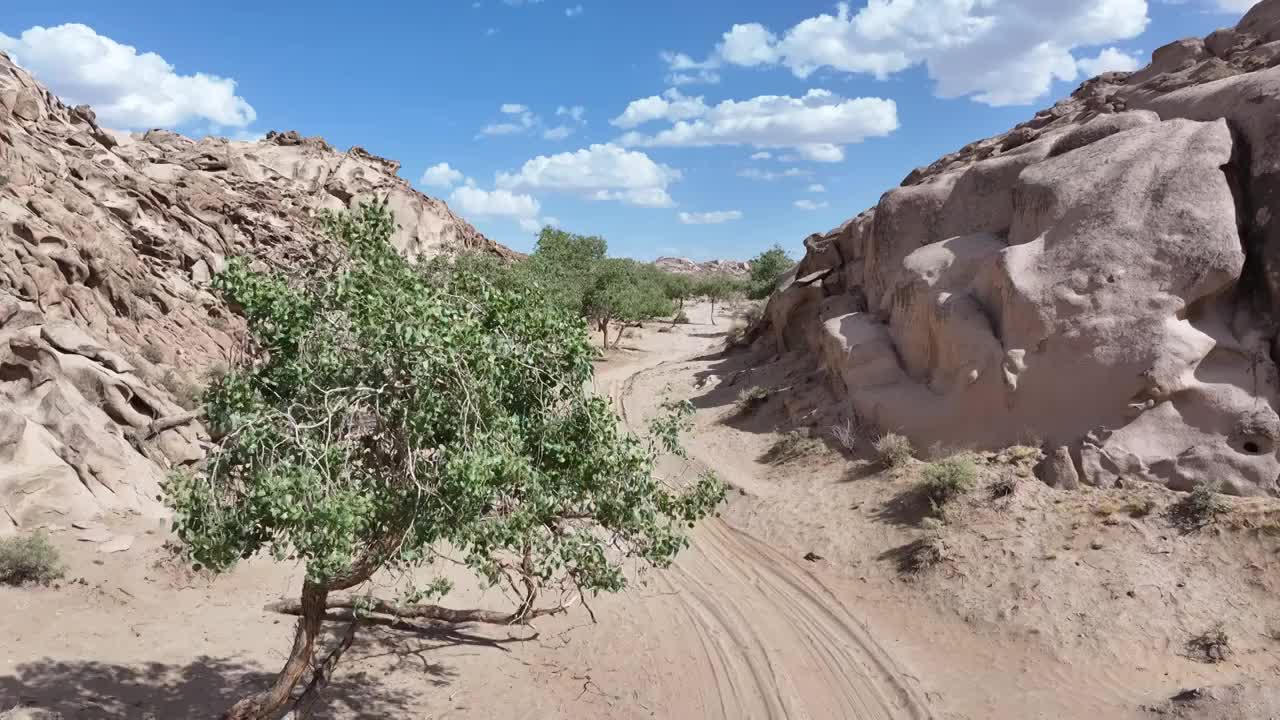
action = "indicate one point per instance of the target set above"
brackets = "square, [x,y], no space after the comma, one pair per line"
[185,393]
[153,353]
[846,434]
[29,559]
[790,446]
[894,450]
[750,400]
[1139,508]
[737,336]
[1211,646]
[1005,486]
[681,318]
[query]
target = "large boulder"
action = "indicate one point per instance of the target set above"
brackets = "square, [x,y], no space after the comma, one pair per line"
[1103,279]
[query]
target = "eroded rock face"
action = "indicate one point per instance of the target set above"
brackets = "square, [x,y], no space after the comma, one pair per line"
[1103,279]
[107,245]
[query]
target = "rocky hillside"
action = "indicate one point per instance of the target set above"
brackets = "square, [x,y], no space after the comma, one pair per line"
[107,327]
[685,266]
[1103,278]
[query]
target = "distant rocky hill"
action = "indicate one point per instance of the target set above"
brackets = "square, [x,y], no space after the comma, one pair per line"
[1104,278]
[107,244]
[685,266]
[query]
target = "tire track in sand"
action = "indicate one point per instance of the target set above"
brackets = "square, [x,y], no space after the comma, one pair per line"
[769,640]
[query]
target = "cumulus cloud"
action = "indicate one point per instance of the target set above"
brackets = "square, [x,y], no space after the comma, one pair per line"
[810,205]
[600,172]
[714,217]
[817,188]
[440,175]
[999,53]
[671,105]
[523,209]
[1107,60]
[127,89]
[684,70]
[573,119]
[817,125]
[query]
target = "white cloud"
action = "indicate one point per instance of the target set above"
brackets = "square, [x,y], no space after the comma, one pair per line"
[672,106]
[748,45]
[522,121]
[440,175]
[758,174]
[126,89]
[817,188]
[1236,6]
[1107,60]
[576,113]
[816,125]
[810,205]
[560,132]
[684,70]
[762,155]
[600,172]
[523,209]
[574,11]
[999,53]
[710,218]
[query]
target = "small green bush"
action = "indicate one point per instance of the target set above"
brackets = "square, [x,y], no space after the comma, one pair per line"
[894,450]
[946,480]
[1198,508]
[751,399]
[29,559]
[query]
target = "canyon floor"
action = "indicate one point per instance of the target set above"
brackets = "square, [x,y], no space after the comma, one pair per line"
[797,602]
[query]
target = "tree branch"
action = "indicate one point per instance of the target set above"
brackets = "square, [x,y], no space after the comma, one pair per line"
[422,612]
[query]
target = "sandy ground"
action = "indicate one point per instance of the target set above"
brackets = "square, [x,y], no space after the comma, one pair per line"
[792,604]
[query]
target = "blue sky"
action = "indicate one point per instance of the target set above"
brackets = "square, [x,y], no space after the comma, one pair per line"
[586,113]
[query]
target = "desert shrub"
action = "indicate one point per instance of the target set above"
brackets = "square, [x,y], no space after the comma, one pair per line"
[1198,508]
[4,180]
[681,318]
[945,480]
[894,450]
[1139,508]
[185,392]
[737,336]
[751,399]
[29,559]
[387,411]
[922,555]
[846,434]
[789,446]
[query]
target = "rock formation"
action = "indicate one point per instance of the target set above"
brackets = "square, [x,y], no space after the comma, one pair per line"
[685,266]
[107,244]
[1103,279]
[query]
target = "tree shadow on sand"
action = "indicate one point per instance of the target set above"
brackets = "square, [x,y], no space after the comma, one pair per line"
[206,687]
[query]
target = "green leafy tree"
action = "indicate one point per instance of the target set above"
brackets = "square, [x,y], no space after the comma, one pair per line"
[624,291]
[766,269]
[392,409]
[564,265]
[678,288]
[719,288]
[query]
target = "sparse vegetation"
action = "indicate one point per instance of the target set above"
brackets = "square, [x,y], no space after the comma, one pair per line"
[185,392]
[153,353]
[751,399]
[681,318]
[4,180]
[737,335]
[1139,508]
[791,445]
[846,434]
[1211,646]
[766,269]
[29,559]
[1198,508]
[388,411]
[894,450]
[945,480]
[923,554]
[1004,486]
[718,289]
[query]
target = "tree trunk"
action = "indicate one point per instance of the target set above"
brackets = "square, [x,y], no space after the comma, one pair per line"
[305,706]
[267,705]
[713,312]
